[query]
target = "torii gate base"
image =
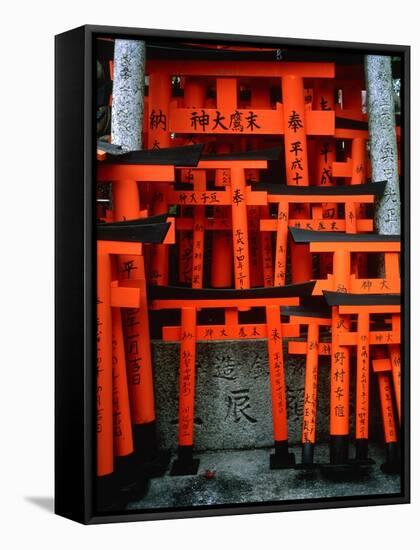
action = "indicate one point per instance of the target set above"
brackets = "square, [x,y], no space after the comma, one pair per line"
[185,464]
[281,458]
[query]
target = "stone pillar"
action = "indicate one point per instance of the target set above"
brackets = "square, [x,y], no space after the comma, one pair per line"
[128,94]
[383,141]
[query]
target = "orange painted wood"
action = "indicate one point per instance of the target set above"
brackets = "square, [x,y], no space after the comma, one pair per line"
[247,121]
[395,357]
[296,159]
[123,437]
[281,244]
[277,378]
[356,246]
[357,286]
[104,420]
[226,303]
[228,331]
[136,172]
[138,354]
[239,229]
[374,338]
[363,226]
[388,417]
[187,376]
[311,385]
[301,348]
[199,179]
[362,377]
[158,271]
[240,68]
[160,91]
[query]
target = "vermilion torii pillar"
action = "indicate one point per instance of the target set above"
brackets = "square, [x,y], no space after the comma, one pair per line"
[314,319]
[363,306]
[382,369]
[189,301]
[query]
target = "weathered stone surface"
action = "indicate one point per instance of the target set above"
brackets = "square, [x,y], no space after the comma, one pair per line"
[233,403]
[128,94]
[383,141]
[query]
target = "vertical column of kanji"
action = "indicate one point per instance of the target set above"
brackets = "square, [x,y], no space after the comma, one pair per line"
[160,92]
[281,244]
[199,178]
[362,387]
[135,321]
[392,463]
[239,228]
[353,211]
[104,427]
[194,98]
[222,259]
[325,155]
[340,367]
[281,457]
[123,435]
[296,155]
[395,356]
[310,395]
[185,464]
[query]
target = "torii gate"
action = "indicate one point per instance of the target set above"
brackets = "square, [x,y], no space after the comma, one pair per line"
[115,438]
[341,280]
[290,118]
[363,306]
[285,196]
[237,196]
[126,171]
[342,245]
[188,301]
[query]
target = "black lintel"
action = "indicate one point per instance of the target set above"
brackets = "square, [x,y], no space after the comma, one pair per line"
[306,236]
[131,232]
[159,218]
[187,155]
[375,188]
[346,299]
[261,154]
[300,311]
[350,124]
[158,292]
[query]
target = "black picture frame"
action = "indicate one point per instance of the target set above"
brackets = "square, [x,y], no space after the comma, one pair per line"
[75,274]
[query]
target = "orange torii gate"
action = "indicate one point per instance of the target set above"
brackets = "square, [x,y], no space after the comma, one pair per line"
[341,280]
[314,319]
[189,301]
[285,196]
[289,118]
[363,306]
[342,245]
[126,171]
[237,195]
[114,431]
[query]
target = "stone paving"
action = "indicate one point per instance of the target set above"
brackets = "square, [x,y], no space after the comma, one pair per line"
[244,477]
